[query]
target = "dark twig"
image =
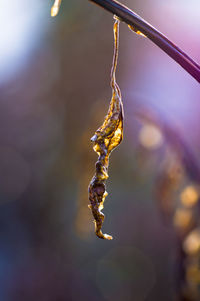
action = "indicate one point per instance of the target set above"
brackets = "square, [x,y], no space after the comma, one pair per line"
[128,16]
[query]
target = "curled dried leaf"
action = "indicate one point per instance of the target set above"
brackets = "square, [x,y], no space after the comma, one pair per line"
[105,140]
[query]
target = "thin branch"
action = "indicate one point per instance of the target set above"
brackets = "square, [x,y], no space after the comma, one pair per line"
[128,16]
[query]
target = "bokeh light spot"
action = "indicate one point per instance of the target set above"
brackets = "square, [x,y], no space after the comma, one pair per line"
[183,219]
[191,244]
[189,196]
[150,137]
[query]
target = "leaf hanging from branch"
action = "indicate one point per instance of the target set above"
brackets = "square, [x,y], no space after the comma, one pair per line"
[105,140]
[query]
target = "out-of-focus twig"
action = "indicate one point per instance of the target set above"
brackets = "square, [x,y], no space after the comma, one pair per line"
[131,18]
[175,140]
[182,174]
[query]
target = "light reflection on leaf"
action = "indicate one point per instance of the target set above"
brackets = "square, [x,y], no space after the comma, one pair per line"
[105,140]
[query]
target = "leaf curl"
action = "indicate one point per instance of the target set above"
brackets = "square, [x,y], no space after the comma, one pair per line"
[105,140]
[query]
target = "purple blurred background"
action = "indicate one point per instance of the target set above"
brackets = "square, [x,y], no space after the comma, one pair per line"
[54,93]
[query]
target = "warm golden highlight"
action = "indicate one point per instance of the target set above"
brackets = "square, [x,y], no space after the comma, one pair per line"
[55,8]
[105,140]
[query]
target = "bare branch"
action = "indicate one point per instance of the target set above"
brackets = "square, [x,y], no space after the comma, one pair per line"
[128,16]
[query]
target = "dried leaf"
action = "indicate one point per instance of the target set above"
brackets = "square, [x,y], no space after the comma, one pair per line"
[106,139]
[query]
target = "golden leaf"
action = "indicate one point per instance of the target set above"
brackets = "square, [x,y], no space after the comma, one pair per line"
[105,140]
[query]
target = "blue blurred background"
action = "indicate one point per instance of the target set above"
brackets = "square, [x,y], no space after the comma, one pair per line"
[54,93]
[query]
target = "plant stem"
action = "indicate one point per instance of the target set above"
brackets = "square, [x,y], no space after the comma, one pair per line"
[128,16]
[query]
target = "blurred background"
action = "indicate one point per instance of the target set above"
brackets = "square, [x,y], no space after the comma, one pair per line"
[54,94]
